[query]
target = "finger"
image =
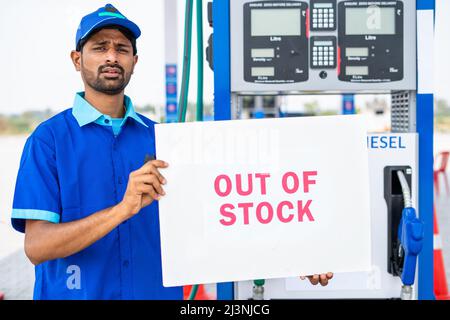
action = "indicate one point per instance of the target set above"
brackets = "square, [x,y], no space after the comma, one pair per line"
[146,200]
[323,283]
[150,169]
[314,279]
[157,186]
[156,164]
[155,171]
[323,280]
[302,277]
[151,180]
[330,275]
[149,190]
[150,166]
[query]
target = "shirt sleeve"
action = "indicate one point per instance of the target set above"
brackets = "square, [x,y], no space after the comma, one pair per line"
[37,193]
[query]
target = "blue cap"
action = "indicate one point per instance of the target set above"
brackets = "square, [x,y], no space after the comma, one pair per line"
[105,16]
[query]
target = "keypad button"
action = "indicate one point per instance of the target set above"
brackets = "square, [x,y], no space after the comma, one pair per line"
[320,25]
[315,25]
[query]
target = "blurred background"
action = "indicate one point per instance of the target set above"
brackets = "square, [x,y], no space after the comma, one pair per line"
[38,80]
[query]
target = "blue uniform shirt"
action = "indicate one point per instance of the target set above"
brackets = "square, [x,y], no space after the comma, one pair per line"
[73,165]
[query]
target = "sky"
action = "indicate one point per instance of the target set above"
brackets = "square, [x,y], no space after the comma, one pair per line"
[37,37]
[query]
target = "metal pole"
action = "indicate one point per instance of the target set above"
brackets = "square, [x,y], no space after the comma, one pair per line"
[171,57]
[425,128]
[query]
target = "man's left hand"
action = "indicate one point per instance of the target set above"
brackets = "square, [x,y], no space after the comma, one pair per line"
[316,279]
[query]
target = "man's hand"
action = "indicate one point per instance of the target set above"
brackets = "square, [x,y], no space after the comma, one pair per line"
[144,186]
[316,279]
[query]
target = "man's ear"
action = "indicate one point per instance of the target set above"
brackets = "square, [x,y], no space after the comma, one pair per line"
[76,59]
[136,59]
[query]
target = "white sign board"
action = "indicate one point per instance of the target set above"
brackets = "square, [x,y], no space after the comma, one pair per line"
[262,199]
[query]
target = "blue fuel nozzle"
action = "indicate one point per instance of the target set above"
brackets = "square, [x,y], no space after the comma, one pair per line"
[411,236]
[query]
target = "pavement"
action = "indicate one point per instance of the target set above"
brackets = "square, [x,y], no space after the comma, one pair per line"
[16,271]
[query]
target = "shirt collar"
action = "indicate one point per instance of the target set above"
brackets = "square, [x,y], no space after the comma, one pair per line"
[85,113]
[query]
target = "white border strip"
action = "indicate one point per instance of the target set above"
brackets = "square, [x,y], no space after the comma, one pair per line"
[425,51]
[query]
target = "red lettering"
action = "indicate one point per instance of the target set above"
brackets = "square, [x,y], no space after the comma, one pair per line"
[307,181]
[239,185]
[246,206]
[217,185]
[280,211]
[262,177]
[294,177]
[304,210]
[227,214]
[269,212]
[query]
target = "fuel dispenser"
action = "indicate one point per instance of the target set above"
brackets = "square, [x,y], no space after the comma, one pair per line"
[278,48]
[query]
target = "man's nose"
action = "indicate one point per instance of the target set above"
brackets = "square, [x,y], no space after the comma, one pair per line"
[111,55]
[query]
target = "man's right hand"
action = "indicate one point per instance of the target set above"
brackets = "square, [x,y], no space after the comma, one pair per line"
[144,187]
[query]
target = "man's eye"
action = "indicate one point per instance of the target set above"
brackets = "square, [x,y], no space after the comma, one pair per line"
[99,48]
[123,50]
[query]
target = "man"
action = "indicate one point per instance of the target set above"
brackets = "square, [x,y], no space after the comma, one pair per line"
[84,197]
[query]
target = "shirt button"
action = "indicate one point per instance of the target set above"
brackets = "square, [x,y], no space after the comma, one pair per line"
[106,121]
[126,263]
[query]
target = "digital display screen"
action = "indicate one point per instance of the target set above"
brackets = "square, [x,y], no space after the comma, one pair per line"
[276,22]
[357,71]
[323,43]
[369,21]
[323,5]
[263,53]
[357,52]
[263,72]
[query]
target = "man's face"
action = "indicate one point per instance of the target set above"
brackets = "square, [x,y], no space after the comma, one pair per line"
[107,62]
